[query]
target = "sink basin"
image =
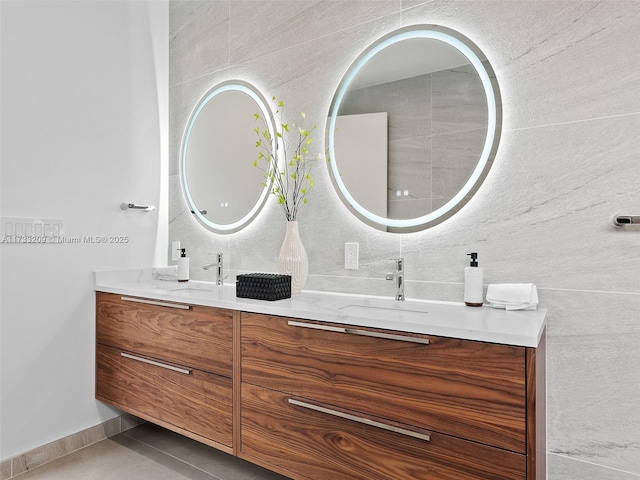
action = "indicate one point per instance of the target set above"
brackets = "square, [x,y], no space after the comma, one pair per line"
[187,286]
[383,309]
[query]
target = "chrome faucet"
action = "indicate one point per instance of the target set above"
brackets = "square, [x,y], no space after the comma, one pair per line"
[398,276]
[218,266]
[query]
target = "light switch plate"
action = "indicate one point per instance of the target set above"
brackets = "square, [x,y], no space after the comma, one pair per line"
[351,256]
[31,230]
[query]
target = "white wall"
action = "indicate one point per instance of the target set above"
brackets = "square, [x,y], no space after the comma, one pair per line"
[84,100]
[569,73]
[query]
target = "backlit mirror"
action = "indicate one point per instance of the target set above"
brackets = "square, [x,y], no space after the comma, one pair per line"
[413,128]
[222,187]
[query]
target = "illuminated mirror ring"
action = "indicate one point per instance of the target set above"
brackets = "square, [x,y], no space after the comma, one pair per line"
[493,127]
[223,189]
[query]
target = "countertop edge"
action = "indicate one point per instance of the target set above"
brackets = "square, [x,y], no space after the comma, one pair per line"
[444,319]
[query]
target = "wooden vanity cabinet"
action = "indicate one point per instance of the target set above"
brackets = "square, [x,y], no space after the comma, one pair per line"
[168,363]
[321,401]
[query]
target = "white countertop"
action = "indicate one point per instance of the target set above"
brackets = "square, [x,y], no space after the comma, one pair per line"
[444,319]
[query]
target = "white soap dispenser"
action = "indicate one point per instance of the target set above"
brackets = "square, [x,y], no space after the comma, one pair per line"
[183,266]
[473,283]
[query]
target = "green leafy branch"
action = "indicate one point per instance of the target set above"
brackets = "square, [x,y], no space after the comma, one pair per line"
[290,179]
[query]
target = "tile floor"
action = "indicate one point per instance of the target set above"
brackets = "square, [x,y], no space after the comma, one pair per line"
[149,452]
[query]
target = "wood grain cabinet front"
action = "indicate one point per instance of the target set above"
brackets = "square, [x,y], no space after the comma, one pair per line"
[468,389]
[200,337]
[306,440]
[169,363]
[192,400]
[320,398]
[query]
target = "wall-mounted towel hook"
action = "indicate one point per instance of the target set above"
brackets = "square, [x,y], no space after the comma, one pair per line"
[624,220]
[146,208]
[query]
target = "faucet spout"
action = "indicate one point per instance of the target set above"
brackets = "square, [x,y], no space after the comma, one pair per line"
[398,277]
[218,265]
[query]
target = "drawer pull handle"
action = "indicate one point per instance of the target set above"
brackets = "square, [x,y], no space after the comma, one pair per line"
[154,302]
[366,421]
[157,364]
[355,331]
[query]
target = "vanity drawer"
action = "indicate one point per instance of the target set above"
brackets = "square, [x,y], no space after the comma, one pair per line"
[305,443]
[199,337]
[196,401]
[467,389]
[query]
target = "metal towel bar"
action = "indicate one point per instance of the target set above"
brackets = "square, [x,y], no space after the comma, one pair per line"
[623,220]
[146,208]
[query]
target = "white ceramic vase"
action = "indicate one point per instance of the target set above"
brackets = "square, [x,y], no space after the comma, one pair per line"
[293,258]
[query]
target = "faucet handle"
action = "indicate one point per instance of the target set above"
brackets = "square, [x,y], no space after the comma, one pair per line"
[399,262]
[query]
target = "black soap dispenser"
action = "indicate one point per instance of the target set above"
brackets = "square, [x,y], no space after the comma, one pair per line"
[473,282]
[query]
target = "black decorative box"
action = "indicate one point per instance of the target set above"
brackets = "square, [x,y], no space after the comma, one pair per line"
[263,286]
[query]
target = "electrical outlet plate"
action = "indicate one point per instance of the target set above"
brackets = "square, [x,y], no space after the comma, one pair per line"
[351,256]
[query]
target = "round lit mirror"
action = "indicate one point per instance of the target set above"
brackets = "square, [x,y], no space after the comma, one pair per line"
[222,187]
[413,128]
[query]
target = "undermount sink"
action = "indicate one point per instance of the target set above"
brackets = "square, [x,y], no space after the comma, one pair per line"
[383,309]
[189,286]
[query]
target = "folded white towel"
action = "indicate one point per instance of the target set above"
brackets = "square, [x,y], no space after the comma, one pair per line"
[165,273]
[513,296]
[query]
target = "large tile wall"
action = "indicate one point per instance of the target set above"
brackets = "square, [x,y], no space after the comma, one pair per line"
[569,159]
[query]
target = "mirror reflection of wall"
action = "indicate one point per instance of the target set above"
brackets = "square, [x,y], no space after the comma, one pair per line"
[363,139]
[437,123]
[223,188]
[221,148]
